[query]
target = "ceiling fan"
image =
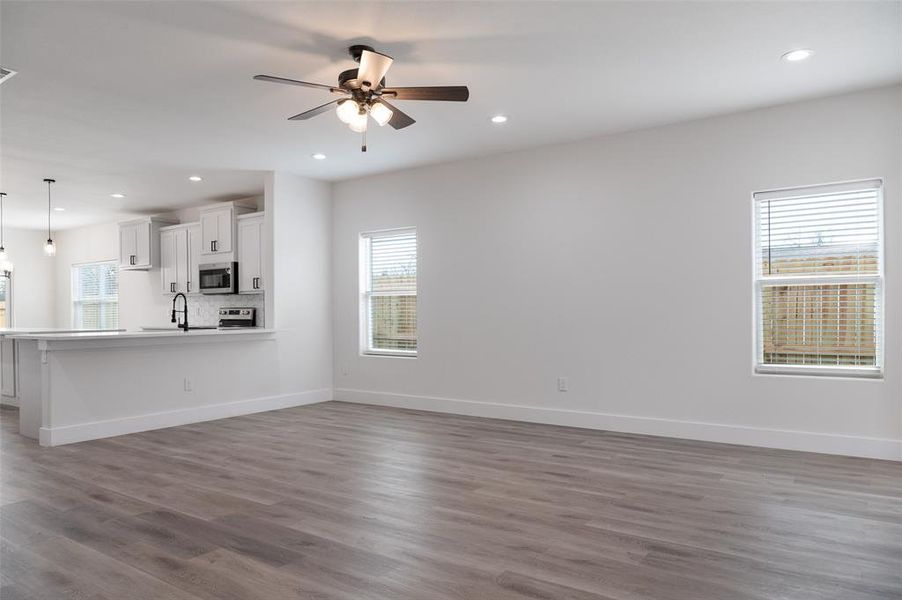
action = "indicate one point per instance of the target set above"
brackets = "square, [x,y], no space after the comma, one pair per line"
[364,93]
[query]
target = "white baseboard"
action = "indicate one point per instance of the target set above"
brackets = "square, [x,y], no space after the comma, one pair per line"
[68,434]
[806,441]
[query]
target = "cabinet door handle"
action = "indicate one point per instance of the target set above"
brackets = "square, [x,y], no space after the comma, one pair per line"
[131,259]
[188,286]
[216,245]
[171,287]
[211,246]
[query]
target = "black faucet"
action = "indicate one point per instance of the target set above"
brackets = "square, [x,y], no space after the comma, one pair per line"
[184,311]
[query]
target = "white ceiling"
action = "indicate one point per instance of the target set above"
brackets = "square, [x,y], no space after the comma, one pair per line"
[135,96]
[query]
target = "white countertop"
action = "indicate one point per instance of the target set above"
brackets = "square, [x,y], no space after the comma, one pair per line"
[57,335]
[10,331]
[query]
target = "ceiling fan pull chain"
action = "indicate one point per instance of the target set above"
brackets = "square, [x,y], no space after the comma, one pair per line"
[363,145]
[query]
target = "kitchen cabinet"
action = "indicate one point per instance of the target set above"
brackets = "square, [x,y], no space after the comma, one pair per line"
[169,260]
[218,230]
[7,368]
[139,243]
[194,252]
[251,253]
[180,247]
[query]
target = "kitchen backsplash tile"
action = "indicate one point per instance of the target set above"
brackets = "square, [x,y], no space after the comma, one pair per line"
[204,309]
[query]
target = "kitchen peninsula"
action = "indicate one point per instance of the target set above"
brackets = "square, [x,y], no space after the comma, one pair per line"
[88,385]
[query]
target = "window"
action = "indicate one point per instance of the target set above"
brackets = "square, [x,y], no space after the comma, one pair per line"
[388,303]
[95,295]
[6,313]
[819,279]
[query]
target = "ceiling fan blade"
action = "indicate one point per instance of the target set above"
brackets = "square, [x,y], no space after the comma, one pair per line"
[313,111]
[373,67]
[449,93]
[274,79]
[399,119]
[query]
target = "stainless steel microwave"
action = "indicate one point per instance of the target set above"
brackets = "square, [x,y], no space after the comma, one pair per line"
[219,278]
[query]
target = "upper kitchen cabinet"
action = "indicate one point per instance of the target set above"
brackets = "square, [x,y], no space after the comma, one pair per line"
[250,253]
[180,247]
[195,245]
[218,230]
[139,243]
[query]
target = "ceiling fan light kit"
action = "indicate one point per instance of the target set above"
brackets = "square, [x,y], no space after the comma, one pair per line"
[380,113]
[365,93]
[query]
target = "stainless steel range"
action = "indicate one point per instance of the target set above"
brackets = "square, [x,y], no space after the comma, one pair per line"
[235,316]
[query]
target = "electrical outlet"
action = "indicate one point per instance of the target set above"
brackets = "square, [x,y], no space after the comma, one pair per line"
[188,386]
[562,384]
[345,370]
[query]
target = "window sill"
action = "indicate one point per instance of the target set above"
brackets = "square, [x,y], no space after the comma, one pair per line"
[388,353]
[821,371]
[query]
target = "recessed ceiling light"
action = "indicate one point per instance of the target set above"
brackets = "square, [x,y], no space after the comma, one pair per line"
[196,178]
[319,156]
[797,55]
[499,119]
[117,195]
[58,208]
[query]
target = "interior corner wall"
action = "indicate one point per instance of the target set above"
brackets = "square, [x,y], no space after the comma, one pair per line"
[624,264]
[299,293]
[32,290]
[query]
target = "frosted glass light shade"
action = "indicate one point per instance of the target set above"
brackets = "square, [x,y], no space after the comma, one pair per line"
[380,113]
[49,248]
[5,263]
[358,123]
[347,110]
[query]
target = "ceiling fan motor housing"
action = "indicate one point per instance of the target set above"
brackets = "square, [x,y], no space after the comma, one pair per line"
[356,51]
[348,80]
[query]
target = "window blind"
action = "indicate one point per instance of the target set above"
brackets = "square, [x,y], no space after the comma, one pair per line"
[95,295]
[819,278]
[390,291]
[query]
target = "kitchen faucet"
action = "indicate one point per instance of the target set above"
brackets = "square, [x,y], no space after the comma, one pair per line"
[184,312]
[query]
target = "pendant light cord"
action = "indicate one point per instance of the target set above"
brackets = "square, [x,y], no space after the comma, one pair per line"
[49,181]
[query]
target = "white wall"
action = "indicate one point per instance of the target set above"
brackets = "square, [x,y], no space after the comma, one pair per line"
[298,298]
[33,299]
[623,263]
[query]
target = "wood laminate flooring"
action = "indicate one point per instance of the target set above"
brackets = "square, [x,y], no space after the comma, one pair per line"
[343,501]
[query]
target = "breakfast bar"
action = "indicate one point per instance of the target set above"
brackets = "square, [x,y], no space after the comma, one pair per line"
[82,386]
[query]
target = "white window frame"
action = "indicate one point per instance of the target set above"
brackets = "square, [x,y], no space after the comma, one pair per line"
[366,346]
[759,281]
[72,290]
[10,315]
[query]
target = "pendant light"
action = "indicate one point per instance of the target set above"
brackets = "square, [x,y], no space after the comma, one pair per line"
[49,247]
[5,265]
